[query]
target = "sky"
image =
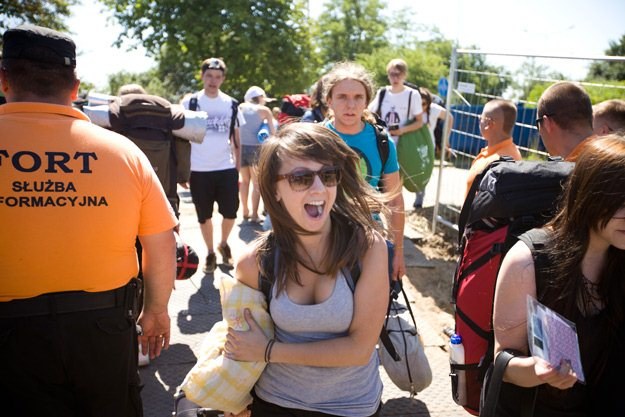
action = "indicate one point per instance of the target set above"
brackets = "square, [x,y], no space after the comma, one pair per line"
[581,28]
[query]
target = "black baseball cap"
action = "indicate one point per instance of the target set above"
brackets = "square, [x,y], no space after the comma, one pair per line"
[39,44]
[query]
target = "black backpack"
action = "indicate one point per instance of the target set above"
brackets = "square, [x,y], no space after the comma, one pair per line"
[507,199]
[148,121]
[193,105]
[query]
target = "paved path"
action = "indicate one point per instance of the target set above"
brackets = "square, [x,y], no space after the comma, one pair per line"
[194,308]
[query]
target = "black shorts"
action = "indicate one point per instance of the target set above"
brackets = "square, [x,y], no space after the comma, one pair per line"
[221,187]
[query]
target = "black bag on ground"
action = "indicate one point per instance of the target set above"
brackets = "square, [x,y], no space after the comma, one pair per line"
[507,199]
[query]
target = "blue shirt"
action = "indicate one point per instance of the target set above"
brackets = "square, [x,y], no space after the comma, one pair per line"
[365,145]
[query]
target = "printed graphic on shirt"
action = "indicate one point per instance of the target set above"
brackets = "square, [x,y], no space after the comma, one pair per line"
[218,124]
[392,117]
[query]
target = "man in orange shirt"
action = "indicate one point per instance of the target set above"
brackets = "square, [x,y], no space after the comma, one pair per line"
[496,125]
[73,198]
[564,119]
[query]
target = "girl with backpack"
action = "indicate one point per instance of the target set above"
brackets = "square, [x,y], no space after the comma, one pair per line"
[578,270]
[348,89]
[323,360]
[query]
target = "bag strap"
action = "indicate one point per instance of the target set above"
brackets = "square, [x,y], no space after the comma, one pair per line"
[233,120]
[489,397]
[193,105]
[381,95]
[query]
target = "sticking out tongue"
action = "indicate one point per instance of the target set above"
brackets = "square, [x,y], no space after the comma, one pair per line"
[314,210]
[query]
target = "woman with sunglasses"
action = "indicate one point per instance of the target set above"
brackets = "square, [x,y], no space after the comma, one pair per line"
[348,88]
[323,361]
[578,271]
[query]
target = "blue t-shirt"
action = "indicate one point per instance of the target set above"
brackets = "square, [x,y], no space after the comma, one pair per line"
[365,145]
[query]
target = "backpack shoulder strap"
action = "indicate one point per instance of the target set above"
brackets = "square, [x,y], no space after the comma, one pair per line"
[381,140]
[409,103]
[266,277]
[381,94]
[535,240]
[233,120]
[193,105]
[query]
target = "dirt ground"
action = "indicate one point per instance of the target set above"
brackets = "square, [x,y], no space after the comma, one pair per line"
[433,284]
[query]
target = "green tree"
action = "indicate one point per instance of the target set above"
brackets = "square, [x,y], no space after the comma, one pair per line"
[48,13]
[348,28]
[149,80]
[266,43]
[608,70]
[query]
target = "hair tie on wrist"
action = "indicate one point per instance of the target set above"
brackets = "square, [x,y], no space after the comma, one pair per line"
[268,350]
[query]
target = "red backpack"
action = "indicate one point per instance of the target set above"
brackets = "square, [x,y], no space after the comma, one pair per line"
[293,108]
[507,199]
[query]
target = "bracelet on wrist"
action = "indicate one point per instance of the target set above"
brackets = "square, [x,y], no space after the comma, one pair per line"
[268,350]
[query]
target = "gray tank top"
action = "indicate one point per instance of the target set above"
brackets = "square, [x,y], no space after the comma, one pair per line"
[253,120]
[351,391]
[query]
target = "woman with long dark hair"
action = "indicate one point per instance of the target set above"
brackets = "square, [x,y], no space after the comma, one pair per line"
[582,277]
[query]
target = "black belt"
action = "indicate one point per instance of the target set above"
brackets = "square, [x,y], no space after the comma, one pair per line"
[64,302]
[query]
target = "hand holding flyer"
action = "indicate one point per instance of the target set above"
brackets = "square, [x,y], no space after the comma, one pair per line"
[553,338]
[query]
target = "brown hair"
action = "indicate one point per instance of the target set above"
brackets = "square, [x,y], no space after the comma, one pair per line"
[426,97]
[351,215]
[349,70]
[398,64]
[567,104]
[613,114]
[39,78]
[214,63]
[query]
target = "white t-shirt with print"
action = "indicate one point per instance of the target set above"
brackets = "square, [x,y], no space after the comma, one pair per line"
[215,152]
[394,109]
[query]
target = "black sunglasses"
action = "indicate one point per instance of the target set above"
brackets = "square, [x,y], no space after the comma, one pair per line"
[302,179]
[541,119]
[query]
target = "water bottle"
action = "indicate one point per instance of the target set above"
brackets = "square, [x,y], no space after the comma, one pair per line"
[263,131]
[456,356]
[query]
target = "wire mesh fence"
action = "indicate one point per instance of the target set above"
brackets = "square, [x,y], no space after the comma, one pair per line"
[477,77]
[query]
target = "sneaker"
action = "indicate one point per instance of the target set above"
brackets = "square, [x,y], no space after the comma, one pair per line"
[226,254]
[211,263]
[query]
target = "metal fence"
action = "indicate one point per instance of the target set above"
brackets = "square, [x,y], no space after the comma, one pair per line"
[469,89]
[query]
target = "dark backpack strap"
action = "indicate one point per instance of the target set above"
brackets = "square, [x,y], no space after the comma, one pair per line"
[233,120]
[381,140]
[535,240]
[468,202]
[489,396]
[381,94]
[193,102]
[268,262]
[409,103]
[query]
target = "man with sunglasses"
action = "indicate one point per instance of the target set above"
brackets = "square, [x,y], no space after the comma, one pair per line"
[564,119]
[496,125]
[215,162]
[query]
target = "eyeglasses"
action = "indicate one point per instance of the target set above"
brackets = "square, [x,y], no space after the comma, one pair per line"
[394,74]
[542,119]
[302,179]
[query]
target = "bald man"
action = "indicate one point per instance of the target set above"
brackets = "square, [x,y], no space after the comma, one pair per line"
[496,125]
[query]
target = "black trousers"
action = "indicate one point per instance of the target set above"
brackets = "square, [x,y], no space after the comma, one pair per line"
[71,364]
